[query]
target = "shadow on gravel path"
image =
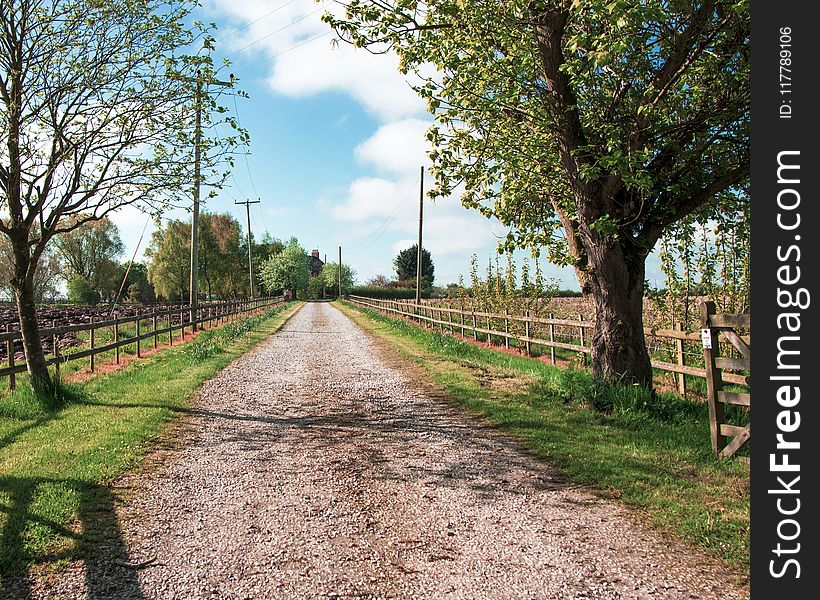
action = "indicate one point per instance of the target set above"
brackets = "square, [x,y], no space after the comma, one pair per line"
[97,538]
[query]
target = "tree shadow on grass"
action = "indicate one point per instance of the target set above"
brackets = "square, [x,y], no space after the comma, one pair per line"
[96,540]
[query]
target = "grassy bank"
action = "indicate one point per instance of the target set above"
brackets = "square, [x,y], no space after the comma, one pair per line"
[652,453]
[56,465]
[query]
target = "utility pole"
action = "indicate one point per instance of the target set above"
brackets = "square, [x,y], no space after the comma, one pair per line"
[340,273]
[247,204]
[418,256]
[194,284]
[324,282]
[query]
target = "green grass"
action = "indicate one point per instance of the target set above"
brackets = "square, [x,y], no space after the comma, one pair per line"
[649,451]
[57,462]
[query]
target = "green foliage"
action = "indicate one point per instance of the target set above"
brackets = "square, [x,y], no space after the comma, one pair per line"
[223,256]
[99,106]
[706,255]
[330,278]
[137,287]
[287,271]
[81,291]
[405,264]
[89,251]
[169,253]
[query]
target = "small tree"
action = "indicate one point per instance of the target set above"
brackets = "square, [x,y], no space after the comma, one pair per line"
[81,291]
[169,254]
[286,271]
[405,264]
[378,281]
[330,277]
[89,251]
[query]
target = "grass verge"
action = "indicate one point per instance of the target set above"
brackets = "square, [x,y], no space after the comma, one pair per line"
[56,465]
[650,452]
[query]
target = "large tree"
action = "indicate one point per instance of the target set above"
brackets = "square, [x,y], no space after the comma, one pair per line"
[96,114]
[405,265]
[588,127]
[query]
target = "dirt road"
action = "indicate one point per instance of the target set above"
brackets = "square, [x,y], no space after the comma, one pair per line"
[314,467]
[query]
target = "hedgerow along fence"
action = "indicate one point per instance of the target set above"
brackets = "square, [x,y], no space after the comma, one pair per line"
[131,330]
[526,331]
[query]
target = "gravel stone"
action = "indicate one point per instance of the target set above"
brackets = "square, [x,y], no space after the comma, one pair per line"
[320,466]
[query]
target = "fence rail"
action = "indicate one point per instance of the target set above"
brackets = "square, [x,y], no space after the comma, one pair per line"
[161,323]
[468,321]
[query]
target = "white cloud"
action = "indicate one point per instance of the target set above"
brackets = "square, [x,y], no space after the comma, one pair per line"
[304,60]
[372,80]
[399,147]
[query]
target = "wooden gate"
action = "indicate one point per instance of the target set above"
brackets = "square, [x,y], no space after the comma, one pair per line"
[717,328]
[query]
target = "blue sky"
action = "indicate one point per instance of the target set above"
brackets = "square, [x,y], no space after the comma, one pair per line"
[337,140]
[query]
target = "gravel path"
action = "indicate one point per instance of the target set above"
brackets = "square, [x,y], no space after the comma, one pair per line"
[313,467]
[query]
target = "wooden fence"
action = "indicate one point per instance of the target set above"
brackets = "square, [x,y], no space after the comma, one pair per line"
[457,320]
[145,326]
[715,327]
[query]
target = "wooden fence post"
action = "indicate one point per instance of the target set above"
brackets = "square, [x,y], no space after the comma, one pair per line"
[170,330]
[10,351]
[138,335]
[117,337]
[716,409]
[55,341]
[155,331]
[681,361]
[552,339]
[527,331]
[506,330]
[182,326]
[91,339]
[461,313]
[581,337]
[475,327]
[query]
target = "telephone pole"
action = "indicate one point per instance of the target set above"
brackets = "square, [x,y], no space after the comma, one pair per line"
[340,273]
[194,283]
[418,255]
[247,204]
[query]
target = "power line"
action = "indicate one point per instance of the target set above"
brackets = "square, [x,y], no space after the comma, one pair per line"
[247,164]
[246,25]
[294,47]
[272,33]
[374,236]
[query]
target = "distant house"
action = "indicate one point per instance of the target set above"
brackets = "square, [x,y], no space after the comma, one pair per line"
[316,263]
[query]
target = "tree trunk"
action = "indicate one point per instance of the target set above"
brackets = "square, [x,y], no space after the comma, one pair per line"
[618,344]
[32,342]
